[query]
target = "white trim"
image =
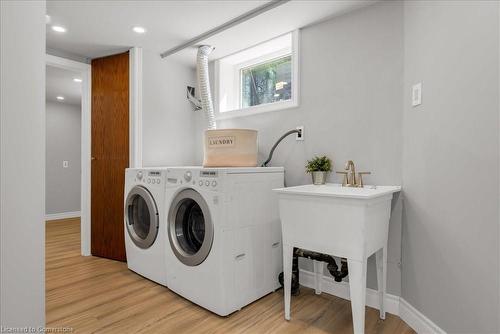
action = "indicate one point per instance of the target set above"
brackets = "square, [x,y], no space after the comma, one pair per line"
[85,70]
[254,110]
[85,220]
[135,119]
[341,289]
[498,273]
[274,106]
[62,215]
[393,304]
[416,320]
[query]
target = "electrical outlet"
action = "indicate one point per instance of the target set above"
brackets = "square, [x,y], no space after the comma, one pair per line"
[65,163]
[416,94]
[300,135]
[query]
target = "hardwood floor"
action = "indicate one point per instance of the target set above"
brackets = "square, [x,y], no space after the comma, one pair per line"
[95,295]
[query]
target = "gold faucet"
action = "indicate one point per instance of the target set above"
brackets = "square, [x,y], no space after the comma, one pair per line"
[350,179]
[351,173]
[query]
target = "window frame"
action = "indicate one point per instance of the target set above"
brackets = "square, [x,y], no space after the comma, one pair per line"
[235,89]
[247,65]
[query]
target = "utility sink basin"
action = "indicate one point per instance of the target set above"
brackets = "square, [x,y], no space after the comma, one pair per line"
[341,221]
[336,190]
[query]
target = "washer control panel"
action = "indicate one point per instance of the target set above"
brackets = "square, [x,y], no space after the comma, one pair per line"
[149,177]
[208,179]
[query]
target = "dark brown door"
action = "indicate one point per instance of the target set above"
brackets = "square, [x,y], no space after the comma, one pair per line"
[110,154]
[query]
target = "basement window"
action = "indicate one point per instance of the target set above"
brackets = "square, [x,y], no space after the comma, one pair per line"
[267,82]
[258,79]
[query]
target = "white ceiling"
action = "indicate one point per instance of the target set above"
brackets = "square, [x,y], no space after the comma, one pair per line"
[59,82]
[99,28]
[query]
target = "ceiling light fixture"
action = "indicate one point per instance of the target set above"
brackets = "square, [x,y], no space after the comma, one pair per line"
[58,29]
[139,30]
[77,80]
[60,98]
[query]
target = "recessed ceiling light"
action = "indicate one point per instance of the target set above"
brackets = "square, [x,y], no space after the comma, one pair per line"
[139,30]
[60,98]
[77,80]
[58,29]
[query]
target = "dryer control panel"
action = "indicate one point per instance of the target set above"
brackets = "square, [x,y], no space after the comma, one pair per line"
[208,179]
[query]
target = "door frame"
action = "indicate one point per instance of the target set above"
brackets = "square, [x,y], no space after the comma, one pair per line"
[135,129]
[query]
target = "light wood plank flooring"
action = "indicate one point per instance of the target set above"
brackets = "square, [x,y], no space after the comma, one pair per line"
[95,295]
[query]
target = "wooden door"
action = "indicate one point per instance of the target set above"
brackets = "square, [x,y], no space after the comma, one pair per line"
[110,154]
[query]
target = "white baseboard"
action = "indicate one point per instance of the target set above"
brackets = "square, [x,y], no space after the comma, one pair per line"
[62,215]
[416,320]
[393,304]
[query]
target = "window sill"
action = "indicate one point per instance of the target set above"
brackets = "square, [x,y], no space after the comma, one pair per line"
[260,109]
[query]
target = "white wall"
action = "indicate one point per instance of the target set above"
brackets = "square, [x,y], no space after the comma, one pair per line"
[450,164]
[351,70]
[22,163]
[168,119]
[63,142]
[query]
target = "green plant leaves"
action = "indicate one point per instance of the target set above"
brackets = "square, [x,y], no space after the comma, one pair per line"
[319,164]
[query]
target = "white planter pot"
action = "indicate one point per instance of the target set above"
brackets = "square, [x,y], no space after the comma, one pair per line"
[319,177]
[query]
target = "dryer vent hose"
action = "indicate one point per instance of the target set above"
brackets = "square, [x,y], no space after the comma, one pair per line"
[204,85]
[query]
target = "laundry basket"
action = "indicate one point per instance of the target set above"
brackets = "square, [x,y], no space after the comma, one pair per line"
[230,148]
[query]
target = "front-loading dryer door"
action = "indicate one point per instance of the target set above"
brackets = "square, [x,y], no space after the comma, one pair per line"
[141,214]
[190,227]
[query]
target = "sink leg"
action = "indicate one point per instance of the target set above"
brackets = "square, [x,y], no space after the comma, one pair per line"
[287,277]
[381,259]
[318,277]
[357,286]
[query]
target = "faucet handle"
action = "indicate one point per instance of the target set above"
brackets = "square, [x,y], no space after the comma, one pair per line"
[360,174]
[344,180]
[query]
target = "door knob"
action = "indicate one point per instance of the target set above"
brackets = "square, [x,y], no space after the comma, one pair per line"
[92,158]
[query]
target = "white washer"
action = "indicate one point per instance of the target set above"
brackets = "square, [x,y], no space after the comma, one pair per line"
[145,222]
[224,234]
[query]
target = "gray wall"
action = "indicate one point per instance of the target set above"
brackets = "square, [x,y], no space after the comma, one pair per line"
[450,164]
[22,165]
[168,119]
[63,142]
[351,72]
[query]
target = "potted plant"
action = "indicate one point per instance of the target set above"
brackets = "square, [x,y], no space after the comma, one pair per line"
[319,167]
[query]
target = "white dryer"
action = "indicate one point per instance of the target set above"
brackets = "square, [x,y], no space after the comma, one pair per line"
[145,222]
[224,234]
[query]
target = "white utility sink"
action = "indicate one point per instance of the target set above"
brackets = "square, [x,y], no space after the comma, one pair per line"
[341,221]
[336,190]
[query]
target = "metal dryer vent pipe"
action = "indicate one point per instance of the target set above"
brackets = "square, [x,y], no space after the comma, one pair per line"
[204,85]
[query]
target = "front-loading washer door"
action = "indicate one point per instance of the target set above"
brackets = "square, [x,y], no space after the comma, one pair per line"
[141,214]
[190,227]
